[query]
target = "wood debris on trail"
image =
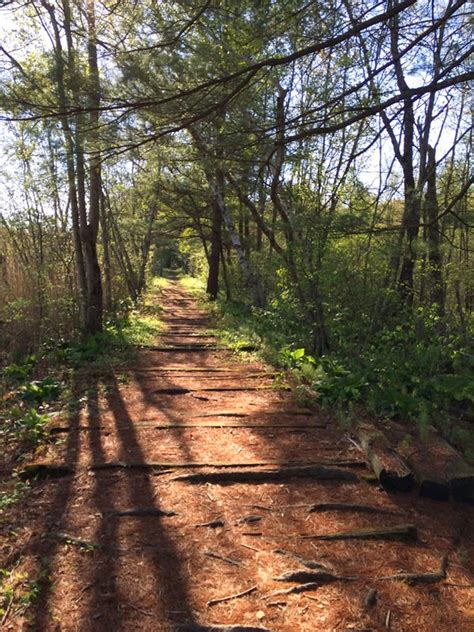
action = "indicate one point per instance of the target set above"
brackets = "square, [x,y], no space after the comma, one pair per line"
[141,515]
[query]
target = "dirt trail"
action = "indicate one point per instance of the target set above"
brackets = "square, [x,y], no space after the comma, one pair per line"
[186,405]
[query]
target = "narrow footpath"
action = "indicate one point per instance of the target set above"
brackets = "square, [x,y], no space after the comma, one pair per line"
[197,495]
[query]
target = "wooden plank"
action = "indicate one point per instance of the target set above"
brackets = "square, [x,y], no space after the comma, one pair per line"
[440,470]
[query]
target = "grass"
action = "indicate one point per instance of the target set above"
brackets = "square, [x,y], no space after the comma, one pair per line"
[33,390]
[194,285]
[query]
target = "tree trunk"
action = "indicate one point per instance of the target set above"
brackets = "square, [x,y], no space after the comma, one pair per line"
[433,236]
[212,288]
[106,248]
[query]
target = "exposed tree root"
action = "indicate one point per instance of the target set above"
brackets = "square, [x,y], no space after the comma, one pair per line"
[264,476]
[218,556]
[402,533]
[144,512]
[294,589]
[305,577]
[213,524]
[243,593]
[302,560]
[421,578]
[320,507]
[215,627]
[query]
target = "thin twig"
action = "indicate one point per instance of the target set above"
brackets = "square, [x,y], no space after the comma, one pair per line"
[81,594]
[248,591]
[218,556]
[7,611]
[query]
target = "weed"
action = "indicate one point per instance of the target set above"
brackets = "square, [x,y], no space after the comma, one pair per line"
[40,391]
[15,373]
[12,496]
[17,590]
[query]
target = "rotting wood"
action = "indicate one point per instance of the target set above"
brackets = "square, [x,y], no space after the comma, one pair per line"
[264,476]
[440,470]
[391,470]
[143,512]
[243,593]
[294,590]
[315,576]
[371,509]
[222,558]
[313,565]
[402,533]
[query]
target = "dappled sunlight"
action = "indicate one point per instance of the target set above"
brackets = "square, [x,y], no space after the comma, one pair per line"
[130,541]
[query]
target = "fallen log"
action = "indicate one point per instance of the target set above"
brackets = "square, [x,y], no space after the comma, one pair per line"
[388,466]
[371,509]
[266,476]
[402,533]
[305,577]
[440,470]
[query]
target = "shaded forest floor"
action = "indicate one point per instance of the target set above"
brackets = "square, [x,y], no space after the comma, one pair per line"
[115,541]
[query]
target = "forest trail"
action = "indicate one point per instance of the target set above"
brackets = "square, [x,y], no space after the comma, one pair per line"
[133,548]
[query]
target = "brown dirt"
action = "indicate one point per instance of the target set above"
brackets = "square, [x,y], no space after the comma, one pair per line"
[152,573]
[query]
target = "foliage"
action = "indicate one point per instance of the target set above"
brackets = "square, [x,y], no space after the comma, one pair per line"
[400,373]
[39,391]
[11,496]
[20,372]
[17,589]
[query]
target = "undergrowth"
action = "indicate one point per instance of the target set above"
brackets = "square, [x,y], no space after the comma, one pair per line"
[410,370]
[35,388]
